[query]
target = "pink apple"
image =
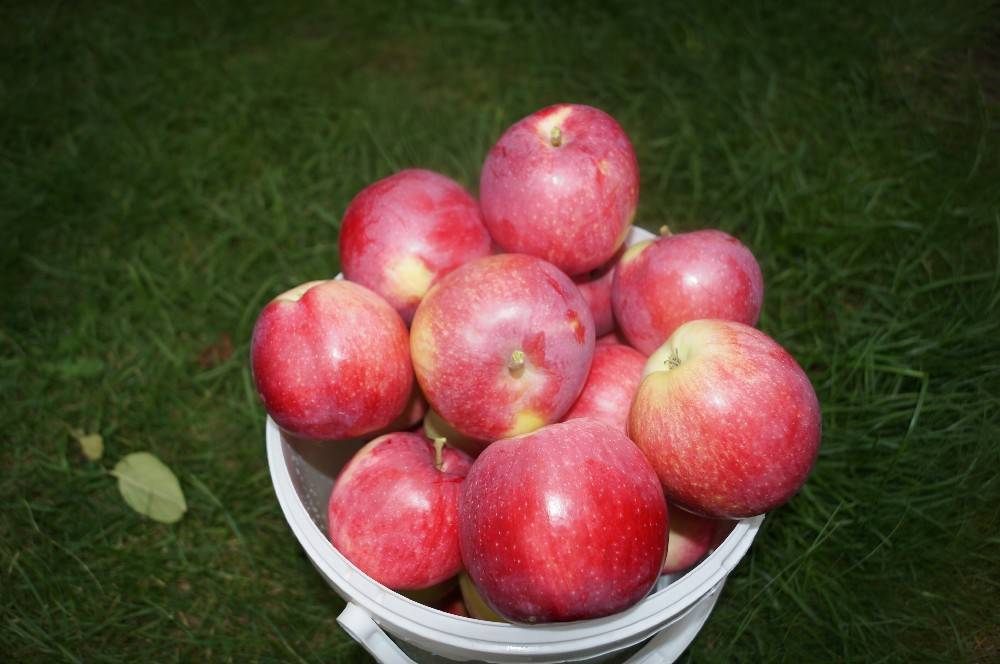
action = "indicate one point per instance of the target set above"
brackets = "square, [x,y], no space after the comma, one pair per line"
[413,413]
[561,184]
[613,338]
[330,360]
[728,419]
[690,538]
[663,283]
[393,511]
[614,378]
[404,232]
[565,523]
[502,346]
[596,289]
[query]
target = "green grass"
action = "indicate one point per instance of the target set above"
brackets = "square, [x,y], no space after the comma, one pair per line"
[166,169]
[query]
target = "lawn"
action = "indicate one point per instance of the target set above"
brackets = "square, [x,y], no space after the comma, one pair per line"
[167,168]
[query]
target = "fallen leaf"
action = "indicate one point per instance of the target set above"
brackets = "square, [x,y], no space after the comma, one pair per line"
[217,353]
[150,488]
[91,444]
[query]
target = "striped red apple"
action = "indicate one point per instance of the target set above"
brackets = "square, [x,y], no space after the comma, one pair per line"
[611,385]
[393,511]
[561,184]
[330,360]
[727,418]
[565,523]
[502,346]
[404,232]
[661,284]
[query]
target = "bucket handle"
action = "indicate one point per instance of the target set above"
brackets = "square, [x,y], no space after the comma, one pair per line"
[359,624]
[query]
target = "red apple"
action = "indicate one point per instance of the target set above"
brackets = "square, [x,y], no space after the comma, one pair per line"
[330,360]
[564,523]
[663,283]
[561,184]
[614,378]
[404,232]
[454,604]
[728,419]
[691,536]
[596,289]
[502,346]
[393,511]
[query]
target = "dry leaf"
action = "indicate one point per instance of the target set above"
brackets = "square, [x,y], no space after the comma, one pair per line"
[150,488]
[91,444]
[217,353]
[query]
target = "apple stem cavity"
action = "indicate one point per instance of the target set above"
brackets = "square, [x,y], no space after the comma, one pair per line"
[439,442]
[665,231]
[516,363]
[555,137]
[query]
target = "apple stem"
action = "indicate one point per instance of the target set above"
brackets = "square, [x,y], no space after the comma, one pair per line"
[665,231]
[516,362]
[439,452]
[556,137]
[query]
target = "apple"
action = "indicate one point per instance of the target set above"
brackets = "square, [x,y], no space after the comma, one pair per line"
[502,346]
[474,603]
[596,289]
[561,184]
[404,232]
[454,604]
[728,419]
[614,378]
[663,283]
[723,528]
[413,413]
[329,458]
[613,338]
[691,536]
[393,511]
[330,360]
[565,523]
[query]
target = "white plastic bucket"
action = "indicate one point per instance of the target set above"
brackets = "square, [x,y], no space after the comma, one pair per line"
[397,630]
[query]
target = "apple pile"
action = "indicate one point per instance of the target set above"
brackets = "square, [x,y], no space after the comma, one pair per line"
[537,396]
